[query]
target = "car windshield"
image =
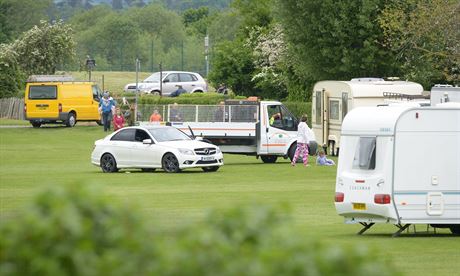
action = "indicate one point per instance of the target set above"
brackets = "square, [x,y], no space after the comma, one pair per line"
[155,77]
[168,134]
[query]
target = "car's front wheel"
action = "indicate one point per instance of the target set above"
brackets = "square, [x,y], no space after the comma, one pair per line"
[210,169]
[108,163]
[170,163]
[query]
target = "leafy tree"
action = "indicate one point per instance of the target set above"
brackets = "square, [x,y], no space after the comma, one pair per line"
[22,15]
[11,75]
[41,49]
[425,36]
[330,39]
[5,27]
[196,20]
[233,65]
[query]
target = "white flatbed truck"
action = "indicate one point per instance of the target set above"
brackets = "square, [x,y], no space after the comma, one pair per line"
[265,129]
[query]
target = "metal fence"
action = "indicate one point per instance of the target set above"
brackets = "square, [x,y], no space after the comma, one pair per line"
[200,113]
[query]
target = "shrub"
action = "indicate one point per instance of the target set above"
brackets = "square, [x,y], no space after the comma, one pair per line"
[71,231]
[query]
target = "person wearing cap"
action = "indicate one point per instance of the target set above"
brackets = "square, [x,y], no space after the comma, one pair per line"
[106,108]
[180,90]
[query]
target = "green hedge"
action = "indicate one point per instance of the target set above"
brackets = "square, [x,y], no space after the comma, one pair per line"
[76,231]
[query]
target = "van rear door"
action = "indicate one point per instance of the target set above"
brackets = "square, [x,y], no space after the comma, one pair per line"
[42,102]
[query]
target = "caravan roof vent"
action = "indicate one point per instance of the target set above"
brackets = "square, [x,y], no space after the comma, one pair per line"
[366,79]
[50,78]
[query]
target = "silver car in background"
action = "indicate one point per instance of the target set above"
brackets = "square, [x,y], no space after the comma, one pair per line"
[191,82]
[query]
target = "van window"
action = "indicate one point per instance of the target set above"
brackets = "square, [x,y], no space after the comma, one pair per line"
[96,93]
[48,92]
[365,154]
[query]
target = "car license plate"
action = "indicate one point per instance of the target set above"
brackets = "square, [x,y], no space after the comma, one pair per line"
[359,206]
[207,158]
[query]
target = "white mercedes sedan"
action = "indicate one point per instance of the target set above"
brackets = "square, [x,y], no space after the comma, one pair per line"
[154,147]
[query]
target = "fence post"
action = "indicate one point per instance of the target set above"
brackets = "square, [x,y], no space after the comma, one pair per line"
[196,113]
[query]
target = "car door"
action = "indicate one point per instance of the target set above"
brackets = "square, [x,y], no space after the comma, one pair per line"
[121,145]
[281,130]
[170,83]
[145,155]
[188,81]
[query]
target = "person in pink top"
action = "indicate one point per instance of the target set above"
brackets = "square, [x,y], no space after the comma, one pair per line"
[118,120]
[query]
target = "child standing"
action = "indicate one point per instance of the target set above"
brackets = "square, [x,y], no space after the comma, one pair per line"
[118,120]
[321,160]
[302,141]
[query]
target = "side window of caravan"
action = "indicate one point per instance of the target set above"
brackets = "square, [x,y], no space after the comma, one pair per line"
[334,110]
[364,158]
[344,104]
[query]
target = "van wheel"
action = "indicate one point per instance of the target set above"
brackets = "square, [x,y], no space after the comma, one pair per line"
[269,158]
[455,229]
[71,120]
[108,163]
[291,151]
[210,169]
[170,163]
[36,124]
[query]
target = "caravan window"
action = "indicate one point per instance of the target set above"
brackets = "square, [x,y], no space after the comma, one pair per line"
[365,154]
[334,110]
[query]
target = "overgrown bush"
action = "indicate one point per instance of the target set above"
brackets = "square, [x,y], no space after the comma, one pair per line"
[11,75]
[73,231]
[299,108]
[196,98]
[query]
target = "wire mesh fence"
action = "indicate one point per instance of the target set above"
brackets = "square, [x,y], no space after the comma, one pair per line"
[199,113]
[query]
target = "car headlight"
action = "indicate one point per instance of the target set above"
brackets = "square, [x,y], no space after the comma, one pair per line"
[218,150]
[186,151]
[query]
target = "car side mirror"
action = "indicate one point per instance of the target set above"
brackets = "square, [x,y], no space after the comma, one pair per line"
[166,80]
[147,141]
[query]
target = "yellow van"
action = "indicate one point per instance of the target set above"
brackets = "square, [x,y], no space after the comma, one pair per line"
[58,99]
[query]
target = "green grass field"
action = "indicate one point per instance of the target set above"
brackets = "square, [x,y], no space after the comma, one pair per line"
[31,159]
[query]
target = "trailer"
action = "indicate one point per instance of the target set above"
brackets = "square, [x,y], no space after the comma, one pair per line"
[442,93]
[400,165]
[332,100]
[265,129]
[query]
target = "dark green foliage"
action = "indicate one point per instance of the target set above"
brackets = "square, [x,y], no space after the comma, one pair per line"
[299,108]
[233,65]
[11,76]
[335,39]
[75,231]
[196,98]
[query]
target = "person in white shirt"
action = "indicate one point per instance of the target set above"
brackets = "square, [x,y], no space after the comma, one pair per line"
[302,141]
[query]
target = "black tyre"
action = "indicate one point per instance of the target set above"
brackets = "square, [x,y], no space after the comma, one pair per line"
[291,151]
[210,169]
[455,229]
[170,163]
[35,124]
[148,169]
[71,120]
[269,158]
[108,163]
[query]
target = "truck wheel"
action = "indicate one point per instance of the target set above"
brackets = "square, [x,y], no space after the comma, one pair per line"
[108,163]
[455,229]
[71,120]
[35,124]
[269,158]
[291,151]
[170,163]
[210,169]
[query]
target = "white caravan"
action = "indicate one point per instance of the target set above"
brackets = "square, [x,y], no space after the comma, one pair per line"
[400,165]
[444,93]
[265,129]
[332,100]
